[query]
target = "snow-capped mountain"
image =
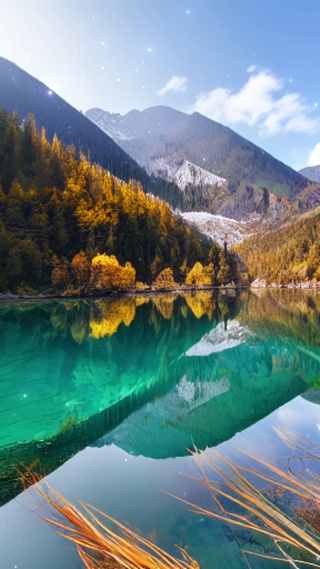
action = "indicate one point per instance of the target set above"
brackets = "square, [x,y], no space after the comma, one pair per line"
[112,124]
[312,173]
[170,166]
[217,170]
[219,339]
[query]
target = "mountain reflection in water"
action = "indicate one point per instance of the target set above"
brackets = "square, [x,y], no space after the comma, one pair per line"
[154,375]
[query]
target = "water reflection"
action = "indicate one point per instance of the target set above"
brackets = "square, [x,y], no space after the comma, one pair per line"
[152,374]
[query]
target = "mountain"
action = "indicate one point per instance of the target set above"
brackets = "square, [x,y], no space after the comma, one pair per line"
[166,141]
[55,206]
[23,94]
[312,173]
[219,171]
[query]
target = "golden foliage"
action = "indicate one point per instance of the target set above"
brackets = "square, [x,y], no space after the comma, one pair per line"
[287,253]
[108,274]
[165,279]
[99,546]
[200,275]
[111,315]
[200,303]
[80,267]
[140,300]
[165,304]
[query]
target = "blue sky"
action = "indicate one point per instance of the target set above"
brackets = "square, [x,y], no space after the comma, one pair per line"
[252,65]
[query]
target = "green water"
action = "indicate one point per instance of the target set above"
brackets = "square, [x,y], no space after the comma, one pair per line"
[126,386]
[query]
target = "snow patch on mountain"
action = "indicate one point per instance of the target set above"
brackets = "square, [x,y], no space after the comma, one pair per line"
[184,173]
[199,392]
[112,124]
[170,167]
[218,340]
[218,227]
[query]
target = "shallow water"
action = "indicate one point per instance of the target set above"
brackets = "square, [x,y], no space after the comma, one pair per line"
[109,395]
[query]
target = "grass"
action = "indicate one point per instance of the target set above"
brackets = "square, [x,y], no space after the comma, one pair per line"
[294,536]
[99,546]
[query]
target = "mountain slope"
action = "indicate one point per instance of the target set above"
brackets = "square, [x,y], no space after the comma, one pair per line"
[22,93]
[290,253]
[61,216]
[312,173]
[164,135]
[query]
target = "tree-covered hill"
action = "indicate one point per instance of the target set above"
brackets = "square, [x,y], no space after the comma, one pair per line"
[24,94]
[289,253]
[61,217]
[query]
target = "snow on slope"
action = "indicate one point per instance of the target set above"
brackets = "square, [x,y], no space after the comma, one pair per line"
[217,226]
[219,339]
[112,124]
[184,173]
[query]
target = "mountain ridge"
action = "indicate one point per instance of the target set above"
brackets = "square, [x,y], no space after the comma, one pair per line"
[23,94]
[162,139]
[199,147]
[159,132]
[311,172]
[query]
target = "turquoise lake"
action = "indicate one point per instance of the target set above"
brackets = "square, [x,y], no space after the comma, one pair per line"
[106,396]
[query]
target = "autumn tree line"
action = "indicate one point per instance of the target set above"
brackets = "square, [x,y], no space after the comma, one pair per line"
[68,223]
[290,253]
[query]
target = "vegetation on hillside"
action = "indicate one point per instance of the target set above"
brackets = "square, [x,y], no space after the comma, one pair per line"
[62,218]
[285,254]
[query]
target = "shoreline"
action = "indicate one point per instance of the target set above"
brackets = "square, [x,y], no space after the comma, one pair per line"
[114,294]
[52,296]
[306,285]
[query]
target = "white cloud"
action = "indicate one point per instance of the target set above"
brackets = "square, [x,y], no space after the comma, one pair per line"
[251,68]
[174,84]
[314,158]
[261,102]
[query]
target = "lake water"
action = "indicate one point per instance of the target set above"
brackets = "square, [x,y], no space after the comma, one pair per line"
[107,396]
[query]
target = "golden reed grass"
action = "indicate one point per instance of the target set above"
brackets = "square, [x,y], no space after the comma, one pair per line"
[239,502]
[98,545]
[235,500]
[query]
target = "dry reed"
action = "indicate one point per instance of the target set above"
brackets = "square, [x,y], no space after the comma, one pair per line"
[98,545]
[235,500]
[239,502]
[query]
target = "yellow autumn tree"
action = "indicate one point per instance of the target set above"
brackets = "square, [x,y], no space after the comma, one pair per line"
[80,267]
[200,275]
[111,315]
[200,303]
[165,279]
[108,274]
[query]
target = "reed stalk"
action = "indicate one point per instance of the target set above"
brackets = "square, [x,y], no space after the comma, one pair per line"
[99,546]
[240,503]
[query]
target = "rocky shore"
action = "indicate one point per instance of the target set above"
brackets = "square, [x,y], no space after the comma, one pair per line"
[262,283]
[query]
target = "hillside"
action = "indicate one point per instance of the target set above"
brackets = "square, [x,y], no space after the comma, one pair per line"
[67,222]
[288,253]
[23,94]
[312,173]
[161,139]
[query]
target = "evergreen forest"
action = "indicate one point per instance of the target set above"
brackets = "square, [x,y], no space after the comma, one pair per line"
[286,254]
[70,224]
